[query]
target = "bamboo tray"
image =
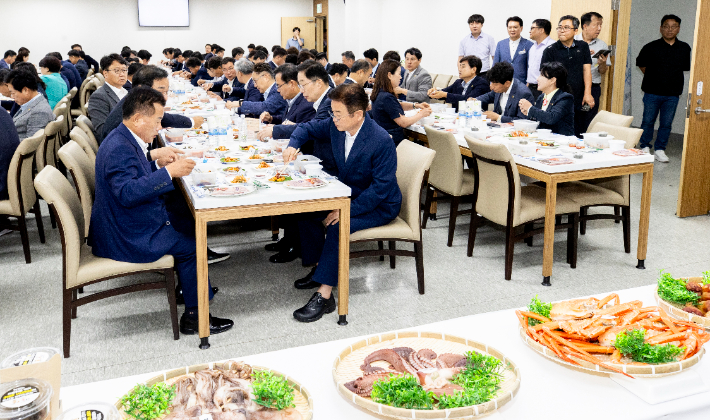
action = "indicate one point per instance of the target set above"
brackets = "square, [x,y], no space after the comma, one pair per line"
[302,398]
[645,371]
[677,312]
[347,367]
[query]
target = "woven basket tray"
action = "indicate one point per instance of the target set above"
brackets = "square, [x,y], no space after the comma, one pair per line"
[647,371]
[301,398]
[677,312]
[347,367]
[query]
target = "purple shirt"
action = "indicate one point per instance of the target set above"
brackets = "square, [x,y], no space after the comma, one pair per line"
[534,58]
[482,47]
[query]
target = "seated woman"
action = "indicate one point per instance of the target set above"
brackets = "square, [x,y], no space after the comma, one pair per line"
[56,87]
[387,111]
[554,108]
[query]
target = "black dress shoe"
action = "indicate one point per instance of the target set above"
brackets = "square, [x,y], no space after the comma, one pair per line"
[190,326]
[285,256]
[315,308]
[215,257]
[180,299]
[307,282]
[277,246]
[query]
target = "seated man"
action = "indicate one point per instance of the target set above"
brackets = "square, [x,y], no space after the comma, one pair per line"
[416,81]
[132,70]
[469,84]
[506,92]
[372,56]
[178,59]
[129,220]
[214,70]
[194,65]
[115,70]
[9,140]
[229,88]
[366,161]
[299,110]
[257,57]
[237,53]
[273,102]
[34,113]
[338,73]
[279,57]
[359,73]
[250,93]
[144,56]
[79,63]
[7,60]
[322,59]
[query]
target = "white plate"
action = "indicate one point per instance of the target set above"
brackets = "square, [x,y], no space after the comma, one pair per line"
[227,170]
[231,191]
[256,168]
[305,184]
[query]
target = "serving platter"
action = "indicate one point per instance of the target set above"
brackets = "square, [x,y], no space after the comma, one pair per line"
[676,311]
[346,367]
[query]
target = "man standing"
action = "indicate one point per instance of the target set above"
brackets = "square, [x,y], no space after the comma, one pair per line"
[575,57]
[417,80]
[515,49]
[591,27]
[477,43]
[8,59]
[662,63]
[295,41]
[115,70]
[540,35]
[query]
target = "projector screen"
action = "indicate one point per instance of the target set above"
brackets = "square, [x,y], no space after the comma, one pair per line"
[164,12]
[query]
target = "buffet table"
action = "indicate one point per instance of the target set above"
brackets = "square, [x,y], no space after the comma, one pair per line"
[597,165]
[548,390]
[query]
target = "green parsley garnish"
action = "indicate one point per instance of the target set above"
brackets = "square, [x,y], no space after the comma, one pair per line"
[402,391]
[632,344]
[540,308]
[148,402]
[673,290]
[272,391]
[706,277]
[480,379]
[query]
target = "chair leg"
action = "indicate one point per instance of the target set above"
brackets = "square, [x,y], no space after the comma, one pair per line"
[38,218]
[617,213]
[74,298]
[22,222]
[52,220]
[583,221]
[381,246]
[528,228]
[419,259]
[452,219]
[392,247]
[626,226]
[274,228]
[66,321]
[575,239]
[509,244]
[427,205]
[472,233]
[170,285]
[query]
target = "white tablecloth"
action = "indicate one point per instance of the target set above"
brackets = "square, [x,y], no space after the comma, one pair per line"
[548,390]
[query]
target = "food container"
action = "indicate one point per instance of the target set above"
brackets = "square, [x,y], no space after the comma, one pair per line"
[427,121]
[26,399]
[543,133]
[617,144]
[303,160]
[525,125]
[29,357]
[174,135]
[91,411]
[449,110]
[313,169]
[204,175]
[529,149]
[220,105]
[437,107]
[597,140]
[279,145]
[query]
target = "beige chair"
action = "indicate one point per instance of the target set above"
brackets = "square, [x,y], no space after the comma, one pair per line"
[82,94]
[81,268]
[441,81]
[46,155]
[79,136]
[606,192]
[413,162]
[81,169]
[90,73]
[433,76]
[100,79]
[453,80]
[72,92]
[22,196]
[90,88]
[88,127]
[447,177]
[610,118]
[499,198]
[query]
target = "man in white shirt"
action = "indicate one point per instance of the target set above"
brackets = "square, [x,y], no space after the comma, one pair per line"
[540,35]
[591,28]
[115,70]
[372,56]
[477,43]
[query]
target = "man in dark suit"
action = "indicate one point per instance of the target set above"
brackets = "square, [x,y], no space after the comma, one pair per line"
[9,141]
[90,62]
[322,59]
[68,71]
[506,92]
[366,161]
[250,93]
[132,70]
[338,74]
[279,57]
[520,47]
[273,103]
[229,88]
[115,70]
[129,220]
[194,65]
[74,57]
[373,57]
[298,111]
[469,84]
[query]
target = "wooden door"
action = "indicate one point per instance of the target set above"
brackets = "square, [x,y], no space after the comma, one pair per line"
[694,190]
[308,30]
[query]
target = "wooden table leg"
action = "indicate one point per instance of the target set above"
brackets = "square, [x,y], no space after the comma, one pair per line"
[547,252]
[432,210]
[344,263]
[203,297]
[644,217]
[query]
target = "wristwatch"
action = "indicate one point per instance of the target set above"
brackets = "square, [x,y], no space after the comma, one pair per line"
[148,156]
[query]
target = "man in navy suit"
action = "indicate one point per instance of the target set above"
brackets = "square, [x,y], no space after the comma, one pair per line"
[249,92]
[366,161]
[129,220]
[506,92]
[279,57]
[469,84]
[273,103]
[194,65]
[9,140]
[229,88]
[298,110]
[515,49]
[322,59]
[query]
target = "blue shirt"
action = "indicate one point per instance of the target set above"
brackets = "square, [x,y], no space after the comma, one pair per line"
[294,43]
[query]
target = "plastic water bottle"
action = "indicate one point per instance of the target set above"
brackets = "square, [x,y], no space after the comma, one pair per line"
[243,129]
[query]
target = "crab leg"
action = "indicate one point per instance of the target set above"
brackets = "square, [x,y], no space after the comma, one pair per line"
[533,315]
[667,321]
[607,299]
[666,338]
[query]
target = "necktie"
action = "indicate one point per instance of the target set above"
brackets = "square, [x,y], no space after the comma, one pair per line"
[406,79]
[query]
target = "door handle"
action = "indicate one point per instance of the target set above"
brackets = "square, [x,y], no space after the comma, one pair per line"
[700,110]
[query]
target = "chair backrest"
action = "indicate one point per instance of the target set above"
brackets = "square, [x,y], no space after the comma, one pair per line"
[412,163]
[611,119]
[100,78]
[90,87]
[452,81]
[19,174]
[79,136]
[90,73]
[72,92]
[497,181]
[85,124]
[46,151]
[433,76]
[630,135]
[64,202]
[442,81]
[58,110]
[446,172]
[81,169]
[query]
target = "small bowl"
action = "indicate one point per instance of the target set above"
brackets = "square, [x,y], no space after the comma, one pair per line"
[525,125]
[617,144]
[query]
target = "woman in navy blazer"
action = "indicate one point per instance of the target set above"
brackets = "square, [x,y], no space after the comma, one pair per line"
[554,108]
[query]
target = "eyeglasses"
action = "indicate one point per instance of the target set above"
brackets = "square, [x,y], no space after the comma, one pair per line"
[279,86]
[336,119]
[564,28]
[118,71]
[534,27]
[303,86]
[672,28]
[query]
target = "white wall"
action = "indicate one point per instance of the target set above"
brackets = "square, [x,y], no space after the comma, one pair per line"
[104,26]
[645,24]
[435,27]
